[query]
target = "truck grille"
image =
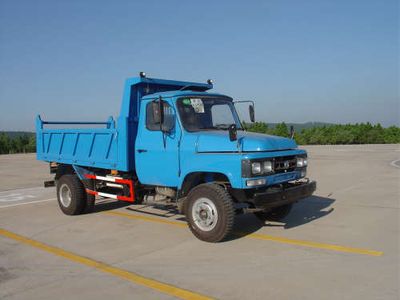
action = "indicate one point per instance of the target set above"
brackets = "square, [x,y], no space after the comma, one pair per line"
[285,164]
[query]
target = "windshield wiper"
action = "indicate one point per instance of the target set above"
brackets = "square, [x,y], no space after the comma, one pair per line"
[219,127]
[222,126]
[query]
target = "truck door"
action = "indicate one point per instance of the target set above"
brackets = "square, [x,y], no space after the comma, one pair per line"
[156,153]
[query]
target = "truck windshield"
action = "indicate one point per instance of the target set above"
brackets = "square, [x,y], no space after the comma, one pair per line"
[207,113]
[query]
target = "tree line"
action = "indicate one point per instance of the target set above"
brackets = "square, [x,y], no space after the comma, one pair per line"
[17,144]
[360,133]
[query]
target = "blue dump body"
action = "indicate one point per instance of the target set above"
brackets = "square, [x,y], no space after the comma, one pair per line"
[111,147]
[86,147]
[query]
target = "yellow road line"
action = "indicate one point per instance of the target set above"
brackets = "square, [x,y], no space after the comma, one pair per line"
[130,276]
[259,236]
[332,247]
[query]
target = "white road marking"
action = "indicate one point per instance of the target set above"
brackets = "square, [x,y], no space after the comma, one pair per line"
[31,202]
[27,195]
[15,197]
[394,163]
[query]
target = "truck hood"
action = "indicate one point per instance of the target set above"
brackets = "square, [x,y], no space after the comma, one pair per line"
[218,141]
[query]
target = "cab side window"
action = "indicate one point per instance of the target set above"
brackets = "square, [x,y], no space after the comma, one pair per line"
[169,117]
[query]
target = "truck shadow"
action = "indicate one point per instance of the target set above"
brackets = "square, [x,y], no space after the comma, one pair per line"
[303,212]
[104,205]
[164,211]
[308,210]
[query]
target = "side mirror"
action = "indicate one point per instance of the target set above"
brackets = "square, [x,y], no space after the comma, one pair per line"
[251,113]
[169,120]
[232,133]
[158,111]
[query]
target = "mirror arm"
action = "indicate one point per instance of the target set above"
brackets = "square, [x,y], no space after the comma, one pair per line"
[245,101]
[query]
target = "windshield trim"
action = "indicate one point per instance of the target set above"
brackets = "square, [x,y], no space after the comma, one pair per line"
[227,99]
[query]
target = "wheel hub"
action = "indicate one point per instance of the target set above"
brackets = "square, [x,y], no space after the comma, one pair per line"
[205,214]
[65,195]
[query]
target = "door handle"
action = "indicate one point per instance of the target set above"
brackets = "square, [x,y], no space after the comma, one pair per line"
[141,150]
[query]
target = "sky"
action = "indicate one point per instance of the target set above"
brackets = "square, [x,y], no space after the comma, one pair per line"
[329,61]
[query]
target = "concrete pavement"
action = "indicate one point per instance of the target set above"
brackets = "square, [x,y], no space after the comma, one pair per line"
[356,207]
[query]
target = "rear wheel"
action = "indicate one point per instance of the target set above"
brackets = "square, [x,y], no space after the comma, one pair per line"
[71,195]
[90,199]
[209,212]
[275,214]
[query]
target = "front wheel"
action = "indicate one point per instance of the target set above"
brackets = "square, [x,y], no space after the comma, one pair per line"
[210,212]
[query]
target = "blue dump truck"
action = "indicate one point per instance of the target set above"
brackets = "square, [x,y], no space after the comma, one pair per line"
[177,143]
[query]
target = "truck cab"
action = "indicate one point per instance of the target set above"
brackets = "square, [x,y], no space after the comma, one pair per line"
[177,142]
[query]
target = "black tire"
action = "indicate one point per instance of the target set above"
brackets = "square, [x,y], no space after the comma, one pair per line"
[90,199]
[181,205]
[71,195]
[275,214]
[139,192]
[218,199]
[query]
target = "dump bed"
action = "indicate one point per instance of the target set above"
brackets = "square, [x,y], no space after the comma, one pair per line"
[112,145]
[80,146]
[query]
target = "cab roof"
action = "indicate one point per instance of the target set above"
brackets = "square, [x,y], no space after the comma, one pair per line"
[138,88]
[160,85]
[178,93]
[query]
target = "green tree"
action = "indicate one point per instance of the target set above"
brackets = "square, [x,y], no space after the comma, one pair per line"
[281,130]
[392,135]
[31,146]
[17,144]
[4,143]
[259,127]
[359,133]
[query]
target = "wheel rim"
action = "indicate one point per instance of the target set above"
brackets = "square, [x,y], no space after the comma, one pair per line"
[204,214]
[65,195]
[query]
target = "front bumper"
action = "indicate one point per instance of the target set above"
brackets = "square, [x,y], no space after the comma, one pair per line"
[280,196]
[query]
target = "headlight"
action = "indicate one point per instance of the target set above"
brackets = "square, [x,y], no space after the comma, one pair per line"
[267,166]
[300,162]
[256,168]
